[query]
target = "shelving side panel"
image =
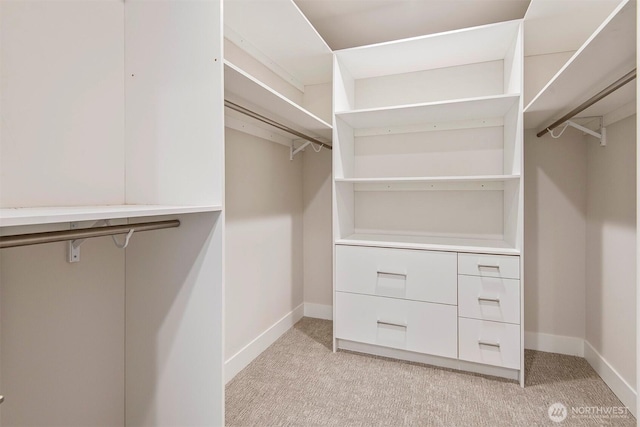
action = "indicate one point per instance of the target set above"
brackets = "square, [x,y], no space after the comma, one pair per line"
[174,107]
[344,210]
[343,150]
[457,152]
[469,214]
[174,325]
[514,213]
[343,87]
[61,86]
[441,84]
[513,140]
[514,65]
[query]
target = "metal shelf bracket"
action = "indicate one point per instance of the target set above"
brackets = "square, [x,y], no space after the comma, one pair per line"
[602,135]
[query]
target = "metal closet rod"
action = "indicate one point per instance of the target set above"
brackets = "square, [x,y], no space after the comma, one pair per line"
[82,233]
[588,103]
[275,124]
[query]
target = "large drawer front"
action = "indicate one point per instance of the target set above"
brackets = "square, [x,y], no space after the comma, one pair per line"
[491,343]
[489,298]
[489,265]
[408,325]
[398,273]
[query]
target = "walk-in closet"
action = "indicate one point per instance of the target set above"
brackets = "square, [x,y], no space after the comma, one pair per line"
[318,212]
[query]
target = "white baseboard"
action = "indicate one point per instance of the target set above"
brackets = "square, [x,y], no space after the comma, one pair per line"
[318,311]
[612,378]
[241,359]
[571,346]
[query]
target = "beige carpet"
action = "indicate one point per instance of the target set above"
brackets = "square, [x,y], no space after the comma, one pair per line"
[299,381]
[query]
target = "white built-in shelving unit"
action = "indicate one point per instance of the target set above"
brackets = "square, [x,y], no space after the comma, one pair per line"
[428,172]
[112,111]
[282,75]
[425,137]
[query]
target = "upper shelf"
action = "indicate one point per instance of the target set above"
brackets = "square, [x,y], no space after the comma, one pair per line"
[466,46]
[271,103]
[279,32]
[10,217]
[606,56]
[487,107]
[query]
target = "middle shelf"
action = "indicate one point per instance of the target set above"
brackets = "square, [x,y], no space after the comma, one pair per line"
[465,109]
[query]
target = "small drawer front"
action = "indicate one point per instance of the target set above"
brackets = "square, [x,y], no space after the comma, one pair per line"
[407,325]
[491,343]
[489,298]
[489,265]
[416,275]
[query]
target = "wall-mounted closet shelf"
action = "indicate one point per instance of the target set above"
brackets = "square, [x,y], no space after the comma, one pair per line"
[488,107]
[440,183]
[275,124]
[241,87]
[630,76]
[603,58]
[10,217]
[485,246]
[86,233]
[279,35]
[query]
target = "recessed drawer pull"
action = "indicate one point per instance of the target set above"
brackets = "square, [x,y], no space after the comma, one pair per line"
[399,325]
[494,266]
[489,344]
[392,273]
[496,299]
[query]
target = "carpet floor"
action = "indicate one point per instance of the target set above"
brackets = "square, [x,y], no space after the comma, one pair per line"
[299,381]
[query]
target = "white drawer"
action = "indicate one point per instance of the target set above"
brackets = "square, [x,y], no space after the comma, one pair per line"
[489,265]
[408,325]
[491,343]
[398,273]
[489,298]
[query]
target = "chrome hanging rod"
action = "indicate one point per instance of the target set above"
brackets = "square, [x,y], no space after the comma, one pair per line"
[273,123]
[588,103]
[82,233]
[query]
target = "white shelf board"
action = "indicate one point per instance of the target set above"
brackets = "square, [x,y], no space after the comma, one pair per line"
[466,46]
[545,24]
[431,243]
[440,183]
[486,107]
[281,32]
[10,217]
[428,179]
[606,56]
[245,87]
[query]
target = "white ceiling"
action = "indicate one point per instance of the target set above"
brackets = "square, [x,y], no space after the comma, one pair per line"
[349,23]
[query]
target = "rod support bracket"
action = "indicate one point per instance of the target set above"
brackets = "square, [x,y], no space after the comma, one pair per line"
[602,135]
[293,150]
[73,246]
